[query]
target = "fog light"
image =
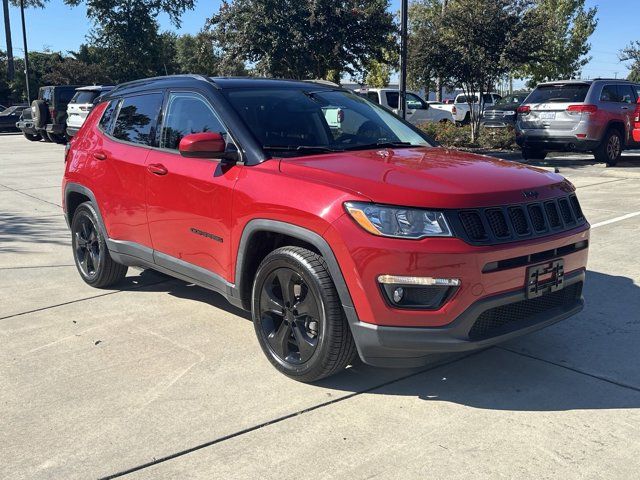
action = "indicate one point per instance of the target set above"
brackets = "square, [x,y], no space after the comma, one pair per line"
[398,293]
[424,293]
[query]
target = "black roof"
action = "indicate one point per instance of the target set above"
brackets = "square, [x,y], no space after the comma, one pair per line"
[220,83]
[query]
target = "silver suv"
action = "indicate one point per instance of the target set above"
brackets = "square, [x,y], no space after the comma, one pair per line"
[578,115]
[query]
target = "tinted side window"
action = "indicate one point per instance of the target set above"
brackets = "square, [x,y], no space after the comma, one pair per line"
[626,94]
[392,99]
[609,94]
[373,96]
[137,118]
[107,117]
[187,113]
[414,102]
[64,95]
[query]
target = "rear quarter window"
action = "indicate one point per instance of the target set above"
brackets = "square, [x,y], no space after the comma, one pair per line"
[107,116]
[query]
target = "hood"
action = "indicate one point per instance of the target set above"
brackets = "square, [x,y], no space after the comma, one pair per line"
[428,177]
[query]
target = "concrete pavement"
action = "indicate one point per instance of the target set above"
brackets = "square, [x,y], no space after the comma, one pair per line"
[160,379]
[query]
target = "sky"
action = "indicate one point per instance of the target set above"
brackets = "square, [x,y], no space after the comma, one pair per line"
[61,28]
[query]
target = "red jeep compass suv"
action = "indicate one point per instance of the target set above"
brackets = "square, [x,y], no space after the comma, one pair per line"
[342,228]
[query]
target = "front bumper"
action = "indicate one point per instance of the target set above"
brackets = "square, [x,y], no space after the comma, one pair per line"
[386,346]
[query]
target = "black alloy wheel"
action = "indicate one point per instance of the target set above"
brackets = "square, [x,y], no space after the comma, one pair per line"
[90,252]
[298,315]
[289,315]
[87,247]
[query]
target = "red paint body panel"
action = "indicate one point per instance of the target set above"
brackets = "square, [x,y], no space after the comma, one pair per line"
[195,193]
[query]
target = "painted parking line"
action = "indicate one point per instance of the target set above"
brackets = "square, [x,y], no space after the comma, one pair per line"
[616,219]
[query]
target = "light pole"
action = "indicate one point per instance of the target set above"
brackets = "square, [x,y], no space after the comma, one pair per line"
[402,84]
[26,52]
[7,31]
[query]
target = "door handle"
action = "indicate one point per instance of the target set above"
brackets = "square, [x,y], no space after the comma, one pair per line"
[157,169]
[625,108]
[99,156]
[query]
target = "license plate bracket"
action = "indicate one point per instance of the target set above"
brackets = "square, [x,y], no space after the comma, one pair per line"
[545,278]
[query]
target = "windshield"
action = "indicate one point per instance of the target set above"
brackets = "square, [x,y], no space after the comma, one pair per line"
[561,93]
[306,121]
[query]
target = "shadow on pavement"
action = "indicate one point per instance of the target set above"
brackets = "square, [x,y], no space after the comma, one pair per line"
[502,378]
[20,229]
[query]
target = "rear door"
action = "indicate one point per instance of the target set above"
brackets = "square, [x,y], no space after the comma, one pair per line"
[189,199]
[627,97]
[549,105]
[122,154]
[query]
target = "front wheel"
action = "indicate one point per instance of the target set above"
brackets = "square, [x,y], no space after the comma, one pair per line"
[54,137]
[298,316]
[90,252]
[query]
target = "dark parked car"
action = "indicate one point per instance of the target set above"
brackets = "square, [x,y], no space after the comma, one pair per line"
[10,116]
[49,114]
[504,113]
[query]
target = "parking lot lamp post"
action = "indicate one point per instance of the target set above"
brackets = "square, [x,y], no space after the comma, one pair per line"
[26,54]
[402,84]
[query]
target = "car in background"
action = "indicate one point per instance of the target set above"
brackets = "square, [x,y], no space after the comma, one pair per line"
[503,114]
[81,104]
[461,110]
[49,113]
[579,115]
[10,116]
[418,111]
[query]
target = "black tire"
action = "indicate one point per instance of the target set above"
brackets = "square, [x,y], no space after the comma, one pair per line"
[90,252]
[45,137]
[55,138]
[610,149]
[304,346]
[40,113]
[32,137]
[533,154]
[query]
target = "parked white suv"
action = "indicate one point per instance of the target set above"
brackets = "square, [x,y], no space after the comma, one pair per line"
[81,104]
[461,111]
[418,111]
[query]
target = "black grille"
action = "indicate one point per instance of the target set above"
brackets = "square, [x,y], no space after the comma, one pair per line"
[498,223]
[553,215]
[537,218]
[576,207]
[519,220]
[496,321]
[472,224]
[565,210]
[492,225]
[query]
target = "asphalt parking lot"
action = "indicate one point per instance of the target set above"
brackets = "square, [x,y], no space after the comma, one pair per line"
[160,379]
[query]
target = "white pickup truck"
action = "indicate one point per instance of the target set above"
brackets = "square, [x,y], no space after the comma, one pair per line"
[418,111]
[461,110]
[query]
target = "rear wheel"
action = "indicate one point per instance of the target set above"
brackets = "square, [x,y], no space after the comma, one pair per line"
[298,316]
[533,154]
[32,137]
[610,149]
[90,252]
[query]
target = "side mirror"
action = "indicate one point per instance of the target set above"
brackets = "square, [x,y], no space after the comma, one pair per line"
[206,145]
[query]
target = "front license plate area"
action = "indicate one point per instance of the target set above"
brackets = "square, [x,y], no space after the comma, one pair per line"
[545,278]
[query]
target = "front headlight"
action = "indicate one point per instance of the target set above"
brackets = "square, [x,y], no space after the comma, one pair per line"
[399,222]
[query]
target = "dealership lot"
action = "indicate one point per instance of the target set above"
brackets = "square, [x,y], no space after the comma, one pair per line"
[160,379]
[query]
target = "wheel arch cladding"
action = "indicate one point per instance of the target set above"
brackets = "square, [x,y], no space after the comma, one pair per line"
[75,195]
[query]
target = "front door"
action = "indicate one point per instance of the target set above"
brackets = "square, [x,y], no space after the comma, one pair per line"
[189,199]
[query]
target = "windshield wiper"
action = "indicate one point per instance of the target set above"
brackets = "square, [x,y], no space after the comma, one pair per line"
[300,148]
[367,146]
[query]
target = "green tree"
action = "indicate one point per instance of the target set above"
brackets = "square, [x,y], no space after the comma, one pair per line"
[196,54]
[425,21]
[474,52]
[305,38]
[632,54]
[127,38]
[567,26]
